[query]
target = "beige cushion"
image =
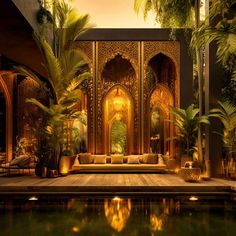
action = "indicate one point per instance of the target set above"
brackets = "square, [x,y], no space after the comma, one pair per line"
[133,159]
[99,159]
[116,159]
[144,158]
[152,158]
[85,158]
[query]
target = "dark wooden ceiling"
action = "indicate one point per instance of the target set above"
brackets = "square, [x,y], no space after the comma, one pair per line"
[16,42]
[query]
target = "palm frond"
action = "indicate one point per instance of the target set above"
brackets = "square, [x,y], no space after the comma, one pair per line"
[39,104]
[52,64]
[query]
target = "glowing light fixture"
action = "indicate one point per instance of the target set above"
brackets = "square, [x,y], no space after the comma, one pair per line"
[193,198]
[118,101]
[33,198]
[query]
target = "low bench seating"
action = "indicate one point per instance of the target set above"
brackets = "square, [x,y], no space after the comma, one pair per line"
[87,162]
[19,165]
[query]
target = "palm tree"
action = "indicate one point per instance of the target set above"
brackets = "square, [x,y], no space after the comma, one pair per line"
[187,122]
[227,115]
[65,68]
[223,33]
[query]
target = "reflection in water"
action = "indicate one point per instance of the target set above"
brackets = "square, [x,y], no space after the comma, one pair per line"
[117,216]
[159,213]
[117,212]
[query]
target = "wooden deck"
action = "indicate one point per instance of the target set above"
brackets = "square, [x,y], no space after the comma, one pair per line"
[112,184]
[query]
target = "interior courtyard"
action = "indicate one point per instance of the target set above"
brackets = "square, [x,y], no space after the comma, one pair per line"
[119,113]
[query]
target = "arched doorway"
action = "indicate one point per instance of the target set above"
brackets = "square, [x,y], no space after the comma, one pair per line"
[118,121]
[160,91]
[4,88]
[2,122]
[161,131]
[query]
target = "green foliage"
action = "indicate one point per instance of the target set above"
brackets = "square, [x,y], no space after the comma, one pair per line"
[187,122]
[118,137]
[21,146]
[66,71]
[169,13]
[227,115]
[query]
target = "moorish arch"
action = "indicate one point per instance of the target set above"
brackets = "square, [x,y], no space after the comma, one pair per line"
[118,77]
[159,128]
[5,89]
[118,108]
[160,93]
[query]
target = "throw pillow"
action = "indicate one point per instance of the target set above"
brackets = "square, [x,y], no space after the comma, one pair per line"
[133,159]
[85,158]
[99,159]
[145,158]
[152,158]
[160,159]
[116,159]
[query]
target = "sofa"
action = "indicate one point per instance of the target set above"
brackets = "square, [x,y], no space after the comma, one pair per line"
[148,162]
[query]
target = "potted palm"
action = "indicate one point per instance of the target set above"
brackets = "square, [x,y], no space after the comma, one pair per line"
[187,122]
[66,70]
[227,115]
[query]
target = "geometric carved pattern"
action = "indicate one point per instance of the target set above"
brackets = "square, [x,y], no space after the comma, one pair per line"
[106,52]
[27,114]
[170,49]
[98,54]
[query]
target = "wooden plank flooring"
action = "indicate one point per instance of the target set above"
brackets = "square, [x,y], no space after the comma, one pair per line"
[111,183]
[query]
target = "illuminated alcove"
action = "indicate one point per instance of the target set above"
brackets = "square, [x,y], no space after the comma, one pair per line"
[118,121]
[118,76]
[161,87]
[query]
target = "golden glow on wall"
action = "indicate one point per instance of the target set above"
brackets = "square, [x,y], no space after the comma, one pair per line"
[114,14]
[117,106]
[117,212]
[118,101]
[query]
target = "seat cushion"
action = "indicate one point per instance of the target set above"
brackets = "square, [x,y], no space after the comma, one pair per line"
[152,158]
[85,158]
[117,159]
[99,159]
[133,159]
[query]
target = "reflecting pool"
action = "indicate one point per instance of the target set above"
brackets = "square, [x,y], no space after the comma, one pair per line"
[165,215]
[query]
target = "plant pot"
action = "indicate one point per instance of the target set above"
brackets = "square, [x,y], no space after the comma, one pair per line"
[44,171]
[38,169]
[64,165]
[190,174]
[52,174]
[72,160]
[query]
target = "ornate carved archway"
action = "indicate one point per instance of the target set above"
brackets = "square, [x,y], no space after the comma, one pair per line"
[4,87]
[162,99]
[122,110]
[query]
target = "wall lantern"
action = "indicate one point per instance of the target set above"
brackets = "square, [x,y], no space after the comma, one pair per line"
[118,101]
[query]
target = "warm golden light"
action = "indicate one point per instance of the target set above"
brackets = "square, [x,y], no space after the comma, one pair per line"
[157,222]
[117,212]
[193,198]
[75,229]
[114,14]
[118,101]
[33,198]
